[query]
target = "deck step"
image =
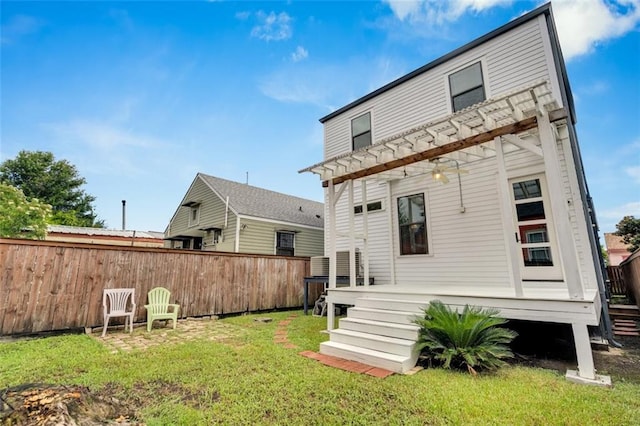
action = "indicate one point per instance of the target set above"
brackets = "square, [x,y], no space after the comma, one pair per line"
[400,331]
[391,362]
[412,306]
[375,342]
[382,315]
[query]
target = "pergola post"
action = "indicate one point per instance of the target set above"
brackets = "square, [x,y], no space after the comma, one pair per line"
[566,244]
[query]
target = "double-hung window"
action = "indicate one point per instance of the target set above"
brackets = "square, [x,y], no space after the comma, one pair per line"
[467,87]
[285,243]
[413,225]
[361,131]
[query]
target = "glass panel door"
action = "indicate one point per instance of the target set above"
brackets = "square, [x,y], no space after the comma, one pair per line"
[534,230]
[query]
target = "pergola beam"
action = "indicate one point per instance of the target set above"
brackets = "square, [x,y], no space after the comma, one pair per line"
[517,127]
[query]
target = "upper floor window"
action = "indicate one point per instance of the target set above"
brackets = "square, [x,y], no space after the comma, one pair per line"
[413,225]
[361,131]
[467,87]
[194,215]
[285,243]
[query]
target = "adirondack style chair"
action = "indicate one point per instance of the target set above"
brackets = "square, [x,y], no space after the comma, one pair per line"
[158,307]
[115,302]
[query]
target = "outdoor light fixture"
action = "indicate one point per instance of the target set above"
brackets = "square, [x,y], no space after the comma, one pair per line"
[438,175]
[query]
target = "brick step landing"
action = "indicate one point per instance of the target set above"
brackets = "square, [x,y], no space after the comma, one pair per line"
[347,365]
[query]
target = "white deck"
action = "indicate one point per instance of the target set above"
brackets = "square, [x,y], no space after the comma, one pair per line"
[537,304]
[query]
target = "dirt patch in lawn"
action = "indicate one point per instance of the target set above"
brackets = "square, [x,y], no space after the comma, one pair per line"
[622,364]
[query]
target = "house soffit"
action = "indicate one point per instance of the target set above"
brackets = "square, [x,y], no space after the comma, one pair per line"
[465,136]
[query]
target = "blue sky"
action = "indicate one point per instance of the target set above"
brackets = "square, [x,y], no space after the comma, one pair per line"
[141,96]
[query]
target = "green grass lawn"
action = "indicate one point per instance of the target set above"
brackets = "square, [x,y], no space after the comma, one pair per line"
[249,379]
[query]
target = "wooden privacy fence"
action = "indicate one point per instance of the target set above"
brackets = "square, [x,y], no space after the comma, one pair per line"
[47,286]
[631,271]
[616,281]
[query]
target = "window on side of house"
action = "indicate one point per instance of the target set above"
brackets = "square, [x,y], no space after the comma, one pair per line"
[285,242]
[361,131]
[413,225]
[467,87]
[194,215]
[371,207]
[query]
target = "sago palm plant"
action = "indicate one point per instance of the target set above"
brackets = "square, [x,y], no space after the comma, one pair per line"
[472,339]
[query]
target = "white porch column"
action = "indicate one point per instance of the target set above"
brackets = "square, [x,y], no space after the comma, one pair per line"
[508,227]
[364,256]
[566,243]
[331,195]
[352,238]
[586,369]
[392,257]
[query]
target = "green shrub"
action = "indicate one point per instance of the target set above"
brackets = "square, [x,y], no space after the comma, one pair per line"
[471,340]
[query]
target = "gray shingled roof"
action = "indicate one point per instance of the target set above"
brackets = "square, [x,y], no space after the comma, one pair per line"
[258,202]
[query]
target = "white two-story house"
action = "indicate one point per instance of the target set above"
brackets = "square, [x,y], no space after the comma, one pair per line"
[462,182]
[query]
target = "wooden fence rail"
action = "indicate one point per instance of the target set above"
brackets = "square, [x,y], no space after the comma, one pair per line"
[47,286]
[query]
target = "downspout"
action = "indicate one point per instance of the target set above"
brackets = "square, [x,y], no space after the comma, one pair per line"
[237,244]
[226,213]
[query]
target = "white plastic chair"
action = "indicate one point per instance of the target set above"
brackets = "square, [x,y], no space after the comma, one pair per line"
[117,306]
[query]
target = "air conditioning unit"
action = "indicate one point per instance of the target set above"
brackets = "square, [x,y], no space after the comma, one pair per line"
[319,266]
[342,263]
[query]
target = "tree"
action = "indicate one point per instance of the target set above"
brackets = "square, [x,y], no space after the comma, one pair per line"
[57,183]
[20,217]
[629,229]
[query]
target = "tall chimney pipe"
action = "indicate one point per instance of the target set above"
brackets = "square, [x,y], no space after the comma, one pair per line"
[124,203]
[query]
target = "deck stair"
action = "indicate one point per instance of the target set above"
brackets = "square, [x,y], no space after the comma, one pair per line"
[377,332]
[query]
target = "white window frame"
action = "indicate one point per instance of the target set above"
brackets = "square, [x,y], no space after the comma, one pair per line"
[485,80]
[351,120]
[293,234]
[427,220]
[369,211]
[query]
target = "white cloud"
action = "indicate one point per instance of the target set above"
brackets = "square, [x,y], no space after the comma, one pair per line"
[105,146]
[584,24]
[437,11]
[272,26]
[330,85]
[18,26]
[300,54]
[618,212]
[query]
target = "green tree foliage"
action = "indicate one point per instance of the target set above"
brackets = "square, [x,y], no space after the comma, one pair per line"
[629,229]
[57,183]
[471,340]
[20,217]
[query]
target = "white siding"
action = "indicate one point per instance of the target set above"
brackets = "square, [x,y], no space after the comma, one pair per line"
[512,61]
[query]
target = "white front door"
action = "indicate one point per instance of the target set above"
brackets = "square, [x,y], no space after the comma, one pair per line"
[535,236]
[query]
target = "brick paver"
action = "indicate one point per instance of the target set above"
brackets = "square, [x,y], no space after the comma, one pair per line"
[186,330]
[347,365]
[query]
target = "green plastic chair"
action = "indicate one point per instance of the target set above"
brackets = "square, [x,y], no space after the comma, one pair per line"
[158,307]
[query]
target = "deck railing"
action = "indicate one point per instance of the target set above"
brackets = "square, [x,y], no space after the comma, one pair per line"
[47,285]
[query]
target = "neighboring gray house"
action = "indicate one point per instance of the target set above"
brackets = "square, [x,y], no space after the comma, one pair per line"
[512,230]
[221,215]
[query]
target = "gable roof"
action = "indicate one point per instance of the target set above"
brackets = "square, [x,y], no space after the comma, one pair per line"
[614,242]
[247,200]
[545,9]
